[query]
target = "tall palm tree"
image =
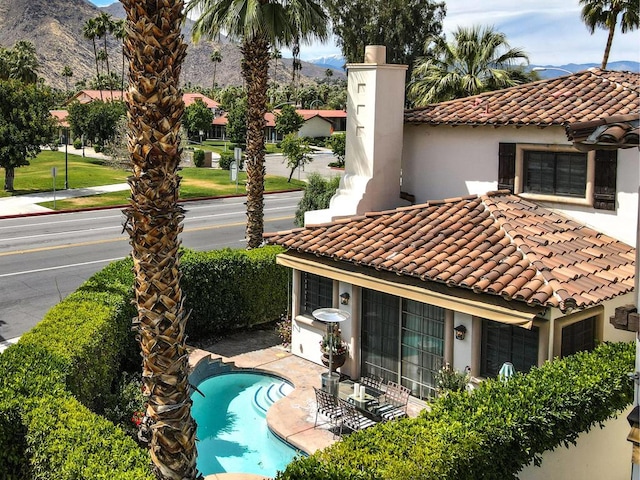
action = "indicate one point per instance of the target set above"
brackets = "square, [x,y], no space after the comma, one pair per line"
[605,13]
[67,73]
[156,50]
[275,55]
[23,62]
[120,33]
[105,26]
[89,32]
[478,59]
[258,25]
[216,58]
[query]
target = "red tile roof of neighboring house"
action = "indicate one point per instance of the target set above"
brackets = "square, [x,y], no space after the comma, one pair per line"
[580,97]
[497,244]
[95,95]
[189,98]
[621,131]
[61,117]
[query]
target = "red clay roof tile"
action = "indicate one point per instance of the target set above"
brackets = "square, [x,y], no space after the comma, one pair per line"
[474,243]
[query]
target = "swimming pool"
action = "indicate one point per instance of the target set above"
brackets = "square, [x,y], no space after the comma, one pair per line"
[232,428]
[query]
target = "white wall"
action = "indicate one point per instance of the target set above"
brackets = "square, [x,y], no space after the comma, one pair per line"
[462,348]
[600,454]
[315,127]
[441,162]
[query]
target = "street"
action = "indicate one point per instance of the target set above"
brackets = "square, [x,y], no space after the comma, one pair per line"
[44,258]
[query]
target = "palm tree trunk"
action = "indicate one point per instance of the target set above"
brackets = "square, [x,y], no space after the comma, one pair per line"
[154,222]
[95,56]
[255,72]
[607,49]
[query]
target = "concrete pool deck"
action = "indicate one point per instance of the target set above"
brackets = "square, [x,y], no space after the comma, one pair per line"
[292,417]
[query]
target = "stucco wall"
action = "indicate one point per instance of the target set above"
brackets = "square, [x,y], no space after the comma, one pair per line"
[315,127]
[442,161]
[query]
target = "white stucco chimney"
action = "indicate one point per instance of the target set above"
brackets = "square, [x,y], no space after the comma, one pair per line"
[375,119]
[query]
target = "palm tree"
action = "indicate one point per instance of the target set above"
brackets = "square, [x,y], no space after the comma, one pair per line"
[216,58]
[479,59]
[89,32]
[105,26]
[154,222]
[120,32]
[258,25]
[67,73]
[275,55]
[23,62]
[605,13]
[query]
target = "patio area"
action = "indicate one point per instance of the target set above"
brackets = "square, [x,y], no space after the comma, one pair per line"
[292,417]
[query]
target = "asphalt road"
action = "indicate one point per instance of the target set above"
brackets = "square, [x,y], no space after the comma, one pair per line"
[44,258]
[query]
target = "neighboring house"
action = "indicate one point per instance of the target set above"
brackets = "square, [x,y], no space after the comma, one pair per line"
[523,281]
[62,123]
[317,124]
[86,96]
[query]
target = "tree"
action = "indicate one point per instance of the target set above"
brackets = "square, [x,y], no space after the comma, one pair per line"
[67,73]
[216,58]
[120,33]
[25,125]
[105,26]
[89,31]
[237,121]
[19,63]
[97,121]
[275,56]
[297,152]
[338,144]
[288,120]
[604,14]
[197,118]
[258,25]
[479,59]
[154,222]
[401,25]
[317,195]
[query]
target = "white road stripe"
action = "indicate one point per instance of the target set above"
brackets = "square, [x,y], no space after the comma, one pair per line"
[59,267]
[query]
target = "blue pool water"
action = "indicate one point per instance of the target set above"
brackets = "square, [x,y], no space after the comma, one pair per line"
[232,428]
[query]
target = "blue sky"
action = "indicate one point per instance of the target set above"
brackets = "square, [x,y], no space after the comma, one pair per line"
[550,31]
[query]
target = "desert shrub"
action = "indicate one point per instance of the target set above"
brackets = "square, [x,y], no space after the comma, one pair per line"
[77,144]
[198,158]
[317,195]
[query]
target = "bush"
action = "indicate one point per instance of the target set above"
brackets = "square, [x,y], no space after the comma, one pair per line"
[491,433]
[198,158]
[97,147]
[226,158]
[317,195]
[230,289]
[77,144]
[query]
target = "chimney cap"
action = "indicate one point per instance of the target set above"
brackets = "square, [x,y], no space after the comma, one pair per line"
[375,54]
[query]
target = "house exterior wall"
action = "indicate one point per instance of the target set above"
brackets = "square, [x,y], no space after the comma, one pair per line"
[600,453]
[315,127]
[442,161]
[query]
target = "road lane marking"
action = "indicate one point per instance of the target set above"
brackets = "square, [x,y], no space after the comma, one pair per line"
[59,267]
[126,238]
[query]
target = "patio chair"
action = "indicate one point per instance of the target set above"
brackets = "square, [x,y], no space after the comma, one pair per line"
[352,418]
[372,383]
[396,398]
[328,406]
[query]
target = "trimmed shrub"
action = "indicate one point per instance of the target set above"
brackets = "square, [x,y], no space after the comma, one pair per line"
[491,433]
[77,144]
[226,158]
[198,158]
[230,289]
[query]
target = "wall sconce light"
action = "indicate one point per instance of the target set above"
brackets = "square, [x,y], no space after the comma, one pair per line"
[344,298]
[461,331]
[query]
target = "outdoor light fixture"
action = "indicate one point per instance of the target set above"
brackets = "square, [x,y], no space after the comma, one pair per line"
[344,298]
[461,331]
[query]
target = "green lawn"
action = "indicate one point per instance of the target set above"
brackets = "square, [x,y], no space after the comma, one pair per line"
[87,172]
[221,146]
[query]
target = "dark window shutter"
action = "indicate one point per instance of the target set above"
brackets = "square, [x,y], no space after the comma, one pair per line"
[506,166]
[604,188]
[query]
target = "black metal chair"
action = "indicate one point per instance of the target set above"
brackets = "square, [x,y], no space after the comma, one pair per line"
[396,398]
[352,418]
[327,405]
[373,384]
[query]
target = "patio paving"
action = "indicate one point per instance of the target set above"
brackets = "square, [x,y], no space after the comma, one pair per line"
[292,417]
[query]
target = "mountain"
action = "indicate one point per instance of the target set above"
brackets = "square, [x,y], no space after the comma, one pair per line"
[556,70]
[335,62]
[55,28]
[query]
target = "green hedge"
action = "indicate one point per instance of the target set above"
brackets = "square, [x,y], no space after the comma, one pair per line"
[231,289]
[60,373]
[492,433]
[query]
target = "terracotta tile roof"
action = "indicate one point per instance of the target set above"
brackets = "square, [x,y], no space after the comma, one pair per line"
[61,117]
[621,131]
[497,244]
[580,97]
[189,98]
